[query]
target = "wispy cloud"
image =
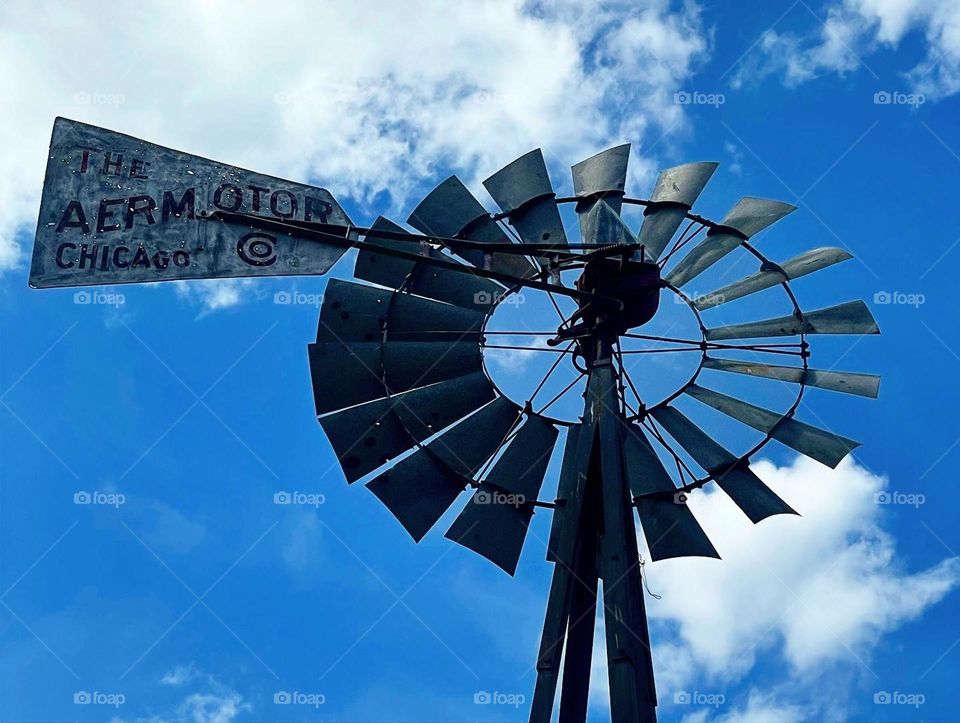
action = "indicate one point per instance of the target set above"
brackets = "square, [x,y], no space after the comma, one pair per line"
[844,36]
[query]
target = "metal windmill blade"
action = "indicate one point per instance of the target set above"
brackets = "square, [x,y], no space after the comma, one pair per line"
[749,217]
[450,210]
[404,396]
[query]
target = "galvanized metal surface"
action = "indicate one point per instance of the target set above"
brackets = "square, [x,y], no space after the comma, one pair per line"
[356,372]
[451,210]
[601,176]
[747,491]
[116,209]
[818,444]
[806,263]
[371,434]
[679,187]
[421,487]
[523,191]
[748,217]
[864,385]
[494,523]
[668,525]
[852,317]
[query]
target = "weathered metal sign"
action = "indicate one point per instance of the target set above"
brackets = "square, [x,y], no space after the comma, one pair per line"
[116,209]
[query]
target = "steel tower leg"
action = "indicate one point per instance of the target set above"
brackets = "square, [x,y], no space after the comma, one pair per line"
[596,538]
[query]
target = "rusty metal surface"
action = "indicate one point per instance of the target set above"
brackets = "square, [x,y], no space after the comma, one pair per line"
[116,209]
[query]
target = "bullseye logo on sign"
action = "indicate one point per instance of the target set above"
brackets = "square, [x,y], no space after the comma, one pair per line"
[258,249]
[117,210]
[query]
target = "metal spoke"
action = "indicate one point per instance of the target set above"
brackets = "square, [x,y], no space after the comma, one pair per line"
[526,348]
[562,392]
[552,369]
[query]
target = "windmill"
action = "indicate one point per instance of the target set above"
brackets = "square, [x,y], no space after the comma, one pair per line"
[399,380]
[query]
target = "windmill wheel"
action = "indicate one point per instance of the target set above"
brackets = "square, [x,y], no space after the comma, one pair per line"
[398,366]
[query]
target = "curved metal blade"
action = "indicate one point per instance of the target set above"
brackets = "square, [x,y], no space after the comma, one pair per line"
[603,225]
[668,525]
[367,436]
[357,312]
[494,523]
[348,374]
[421,487]
[460,289]
[816,443]
[747,491]
[601,176]
[523,191]
[749,217]
[805,263]
[676,191]
[865,385]
[852,317]
[451,211]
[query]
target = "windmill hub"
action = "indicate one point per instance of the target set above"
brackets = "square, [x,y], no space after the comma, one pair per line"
[627,295]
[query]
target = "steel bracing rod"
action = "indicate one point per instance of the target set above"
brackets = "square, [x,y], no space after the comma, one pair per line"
[341,232]
[527,348]
[553,368]
[310,232]
[674,340]
[682,241]
[563,391]
[718,348]
[682,466]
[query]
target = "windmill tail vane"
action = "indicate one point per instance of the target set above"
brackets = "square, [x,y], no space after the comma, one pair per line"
[398,370]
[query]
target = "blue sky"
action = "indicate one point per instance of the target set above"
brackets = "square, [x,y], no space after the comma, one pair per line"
[195,598]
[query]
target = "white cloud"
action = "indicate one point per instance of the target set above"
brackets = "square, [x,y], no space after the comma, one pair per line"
[213,708]
[392,92]
[852,30]
[216,294]
[515,361]
[213,702]
[302,548]
[817,591]
[180,675]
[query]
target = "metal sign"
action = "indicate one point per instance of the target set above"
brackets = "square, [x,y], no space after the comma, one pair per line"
[116,210]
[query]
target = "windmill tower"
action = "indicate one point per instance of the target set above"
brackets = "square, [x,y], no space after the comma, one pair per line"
[399,381]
